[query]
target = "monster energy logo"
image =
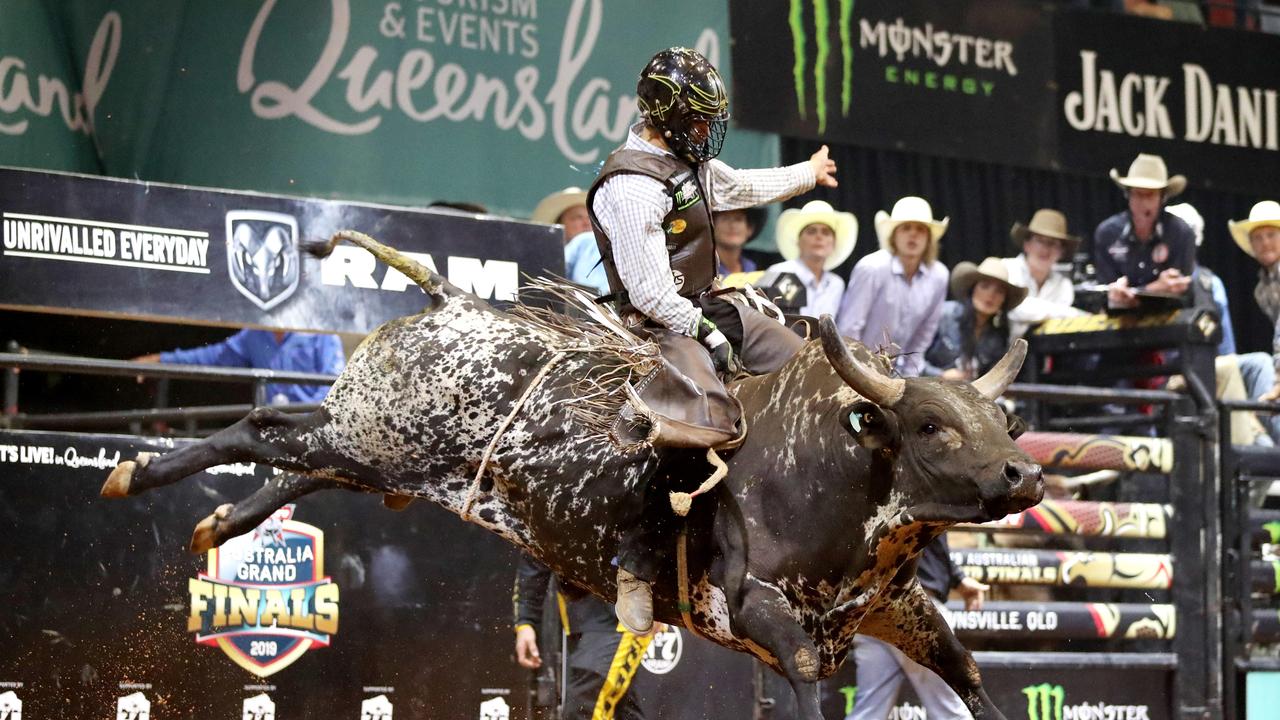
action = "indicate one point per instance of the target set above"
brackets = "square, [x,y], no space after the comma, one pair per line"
[897,38]
[1044,701]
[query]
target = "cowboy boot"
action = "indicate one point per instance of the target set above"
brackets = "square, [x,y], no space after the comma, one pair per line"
[634,606]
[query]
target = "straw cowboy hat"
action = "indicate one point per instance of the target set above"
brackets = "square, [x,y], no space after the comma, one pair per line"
[843,224]
[553,206]
[966,275]
[1049,223]
[1149,173]
[1266,212]
[909,209]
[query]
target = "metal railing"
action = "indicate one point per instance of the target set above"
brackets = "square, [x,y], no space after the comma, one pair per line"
[14,361]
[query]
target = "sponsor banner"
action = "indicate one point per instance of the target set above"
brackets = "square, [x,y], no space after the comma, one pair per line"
[904,74]
[498,102]
[1062,693]
[1062,567]
[1082,451]
[74,243]
[1063,620]
[1014,82]
[1083,517]
[264,599]
[110,585]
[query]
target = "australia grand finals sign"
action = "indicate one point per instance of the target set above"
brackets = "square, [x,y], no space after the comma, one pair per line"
[1017,83]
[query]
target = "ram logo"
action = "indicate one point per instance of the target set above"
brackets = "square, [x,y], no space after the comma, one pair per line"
[262,255]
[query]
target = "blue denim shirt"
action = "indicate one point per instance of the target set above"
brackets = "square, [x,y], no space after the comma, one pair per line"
[298,352]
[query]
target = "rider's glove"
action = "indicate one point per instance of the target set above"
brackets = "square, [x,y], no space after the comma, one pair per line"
[721,351]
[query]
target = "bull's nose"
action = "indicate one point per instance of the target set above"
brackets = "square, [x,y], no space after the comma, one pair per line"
[1023,473]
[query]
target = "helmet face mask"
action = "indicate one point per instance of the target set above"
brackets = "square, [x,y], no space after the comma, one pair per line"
[682,96]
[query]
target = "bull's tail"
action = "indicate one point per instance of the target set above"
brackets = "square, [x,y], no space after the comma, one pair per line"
[431,283]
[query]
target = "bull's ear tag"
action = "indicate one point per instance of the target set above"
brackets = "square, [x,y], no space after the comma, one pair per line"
[855,421]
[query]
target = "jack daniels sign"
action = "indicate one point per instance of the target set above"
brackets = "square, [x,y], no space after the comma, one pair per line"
[122,248]
[1014,82]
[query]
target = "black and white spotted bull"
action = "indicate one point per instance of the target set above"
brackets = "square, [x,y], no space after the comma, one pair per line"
[844,476]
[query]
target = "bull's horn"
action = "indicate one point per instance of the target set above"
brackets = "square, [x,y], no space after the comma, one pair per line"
[993,384]
[864,379]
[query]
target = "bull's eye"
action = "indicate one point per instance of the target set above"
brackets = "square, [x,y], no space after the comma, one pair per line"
[928,429]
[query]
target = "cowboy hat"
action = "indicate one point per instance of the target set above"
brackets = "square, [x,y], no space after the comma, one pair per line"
[551,207]
[909,209]
[1149,173]
[1187,213]
[757,218]
[1049,223]
[1264,213]
[966,275]
[792,222]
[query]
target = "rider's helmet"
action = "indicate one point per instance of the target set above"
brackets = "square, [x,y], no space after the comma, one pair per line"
[683,97]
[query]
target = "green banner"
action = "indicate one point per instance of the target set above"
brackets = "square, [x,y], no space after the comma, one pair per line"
[492,101]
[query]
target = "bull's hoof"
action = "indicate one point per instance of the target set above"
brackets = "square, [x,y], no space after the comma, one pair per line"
[396,502]
[118,482]
[205,536]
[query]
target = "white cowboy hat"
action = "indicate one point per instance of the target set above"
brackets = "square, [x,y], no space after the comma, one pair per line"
[1049,223]
[1149,173]
[551,207]
[843,224]
[1266,212]
[966,275]
[1192,217]
[909,209]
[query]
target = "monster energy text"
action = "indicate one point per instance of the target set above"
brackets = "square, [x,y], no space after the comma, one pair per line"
[905,42]
[1048,702]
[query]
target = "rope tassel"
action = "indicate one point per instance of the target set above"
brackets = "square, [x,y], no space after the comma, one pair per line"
[681,501]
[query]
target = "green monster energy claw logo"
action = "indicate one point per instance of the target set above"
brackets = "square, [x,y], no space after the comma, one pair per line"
[1044,701]
[822,41]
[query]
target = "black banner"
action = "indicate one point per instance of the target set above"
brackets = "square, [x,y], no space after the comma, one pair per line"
[104,608]
[1013,82]
[122,248]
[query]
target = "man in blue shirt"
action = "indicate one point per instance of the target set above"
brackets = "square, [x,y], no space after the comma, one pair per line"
[268,350]
[1145,247]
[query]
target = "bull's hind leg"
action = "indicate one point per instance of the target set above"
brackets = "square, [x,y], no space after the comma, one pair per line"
[265,435]
[765,618]
[229,520]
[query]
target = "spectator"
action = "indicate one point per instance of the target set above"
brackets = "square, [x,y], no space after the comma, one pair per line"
[599,678]
[896,293]
[814,240]
[568,208]
[1144,247]
[733,230]
[269,350]
[974,332]
[1205,282]
[882,667]
[1236,377]
[1044,241]
[1259,236]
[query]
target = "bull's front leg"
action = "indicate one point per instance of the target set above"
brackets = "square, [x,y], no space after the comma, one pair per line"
[765,618]
[910,621]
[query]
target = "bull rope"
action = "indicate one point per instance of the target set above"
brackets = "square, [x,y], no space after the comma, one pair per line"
[682,501]
[682,583]
[502,429]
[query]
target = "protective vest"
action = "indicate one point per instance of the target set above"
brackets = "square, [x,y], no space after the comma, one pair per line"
[688,227]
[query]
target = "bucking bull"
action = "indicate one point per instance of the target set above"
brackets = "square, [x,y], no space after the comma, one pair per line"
[503,418]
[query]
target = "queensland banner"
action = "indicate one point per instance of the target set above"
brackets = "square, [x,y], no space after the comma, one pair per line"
[1014,82]
[497,102]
